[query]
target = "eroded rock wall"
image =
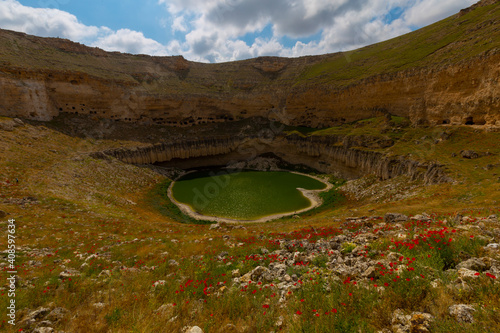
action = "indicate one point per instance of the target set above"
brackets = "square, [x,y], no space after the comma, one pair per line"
[455,94]
[323,154]
[460,94]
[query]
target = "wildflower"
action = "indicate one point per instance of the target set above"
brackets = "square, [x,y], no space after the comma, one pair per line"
[298,312]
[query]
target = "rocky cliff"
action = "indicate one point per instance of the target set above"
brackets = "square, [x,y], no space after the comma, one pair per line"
[445,73]
[321,153]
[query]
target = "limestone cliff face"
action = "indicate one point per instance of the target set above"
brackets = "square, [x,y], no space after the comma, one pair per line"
[321,153]
[467,92]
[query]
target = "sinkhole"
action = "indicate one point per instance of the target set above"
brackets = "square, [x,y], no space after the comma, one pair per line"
[245,195]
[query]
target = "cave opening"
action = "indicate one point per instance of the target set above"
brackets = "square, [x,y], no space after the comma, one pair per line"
[469,121]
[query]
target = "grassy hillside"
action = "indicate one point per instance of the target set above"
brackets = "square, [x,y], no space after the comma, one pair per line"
[446,42]
[95,255]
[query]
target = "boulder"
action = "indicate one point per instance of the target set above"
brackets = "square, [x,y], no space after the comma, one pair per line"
[69,273]
[43,330]
[464,273]
[470,154]
[194,329]
[57,314]
[395,218]
[473,264]
[400,322]
[420,322]
[462,312]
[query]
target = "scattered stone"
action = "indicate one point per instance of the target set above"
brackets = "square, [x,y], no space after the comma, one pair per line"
[18,122]
[38,314]
[473,264]
[395,218]
[32,318]
[214,226]
[493,218]
[43,330]
[464,273]
[194,329]
[494,246]
[421,217]
[462,312]
[279,322]
[99,305]
[400,322]
[229,328]
[166,310]
[69,273]
[236,273]
[57,314]
[172,262]
[370,272]
[420,322]
[470,154]
[105,273]
[222,255]
[159,283]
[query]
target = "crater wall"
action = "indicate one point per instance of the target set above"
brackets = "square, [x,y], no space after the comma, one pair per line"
[321,154]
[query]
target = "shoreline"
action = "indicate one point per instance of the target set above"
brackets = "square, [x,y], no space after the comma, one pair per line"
[311,195]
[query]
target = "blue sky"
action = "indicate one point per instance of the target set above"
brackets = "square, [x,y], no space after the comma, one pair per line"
[224,30]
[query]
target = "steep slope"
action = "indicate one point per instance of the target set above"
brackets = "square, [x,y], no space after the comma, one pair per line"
[447,72]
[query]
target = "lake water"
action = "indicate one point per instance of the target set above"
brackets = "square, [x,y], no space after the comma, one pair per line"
[244,195]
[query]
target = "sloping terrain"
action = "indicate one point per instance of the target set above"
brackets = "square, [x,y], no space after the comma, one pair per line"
[408,241]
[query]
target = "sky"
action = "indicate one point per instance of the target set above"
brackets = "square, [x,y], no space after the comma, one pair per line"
[224,30]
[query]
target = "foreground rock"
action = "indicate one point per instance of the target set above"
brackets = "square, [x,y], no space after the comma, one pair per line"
[462,313]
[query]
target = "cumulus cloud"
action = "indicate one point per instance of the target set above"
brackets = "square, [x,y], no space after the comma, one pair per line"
[425,12]
[49,22]
[129,41]
[217,27]
[43,22]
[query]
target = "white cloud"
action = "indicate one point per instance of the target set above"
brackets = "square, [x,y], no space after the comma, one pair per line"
[48,22]
[179,24]
[129,41]
[426,12]
[218,26]
[43,22]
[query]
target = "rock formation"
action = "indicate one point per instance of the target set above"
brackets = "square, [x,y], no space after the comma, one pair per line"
[346,162]
[445,73]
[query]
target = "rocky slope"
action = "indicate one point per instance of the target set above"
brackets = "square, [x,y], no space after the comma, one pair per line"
[445,73]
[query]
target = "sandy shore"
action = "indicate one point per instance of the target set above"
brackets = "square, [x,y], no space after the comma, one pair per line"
[312,195]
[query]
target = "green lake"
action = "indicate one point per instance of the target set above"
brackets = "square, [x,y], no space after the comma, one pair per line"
[244,195]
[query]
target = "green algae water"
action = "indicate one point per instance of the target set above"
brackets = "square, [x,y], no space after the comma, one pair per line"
[244,195]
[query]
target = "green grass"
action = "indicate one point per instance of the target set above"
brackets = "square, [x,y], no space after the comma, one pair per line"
[443,42]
